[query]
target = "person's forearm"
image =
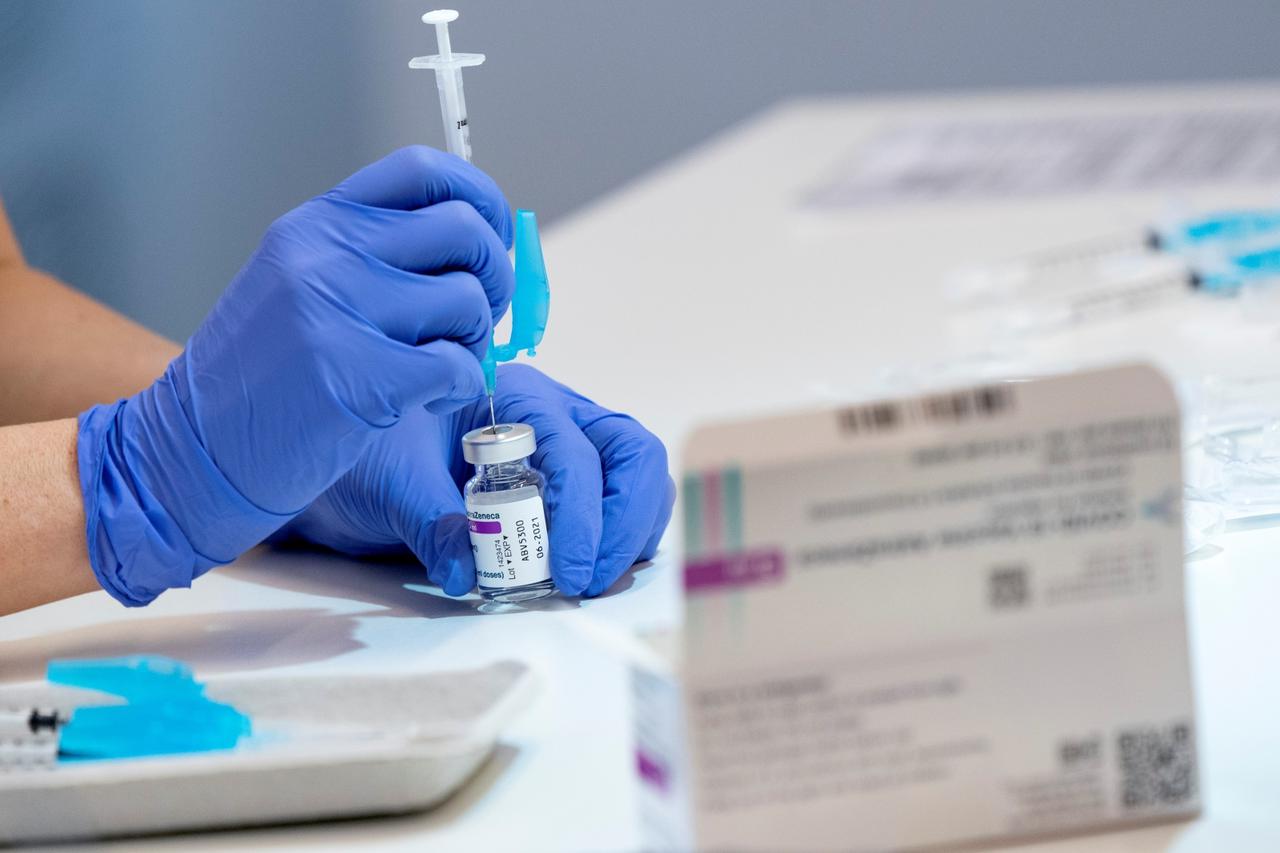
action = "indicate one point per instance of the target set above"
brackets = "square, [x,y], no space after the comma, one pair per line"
[44,557]
[63,352]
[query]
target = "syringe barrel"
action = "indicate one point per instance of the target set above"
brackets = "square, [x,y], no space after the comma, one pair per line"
[453,109]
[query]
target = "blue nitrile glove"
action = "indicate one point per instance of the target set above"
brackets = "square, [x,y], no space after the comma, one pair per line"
[365,303]
[609,495]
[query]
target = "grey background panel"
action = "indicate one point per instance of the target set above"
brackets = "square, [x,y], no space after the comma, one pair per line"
[146,144]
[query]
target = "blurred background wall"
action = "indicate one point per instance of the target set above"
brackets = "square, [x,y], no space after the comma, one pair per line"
[146,144]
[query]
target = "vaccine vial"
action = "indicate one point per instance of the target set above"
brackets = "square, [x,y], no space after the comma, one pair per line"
[505,515]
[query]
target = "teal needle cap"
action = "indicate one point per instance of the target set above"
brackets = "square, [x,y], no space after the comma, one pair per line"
[1222,226]
[530,304]
[166,711]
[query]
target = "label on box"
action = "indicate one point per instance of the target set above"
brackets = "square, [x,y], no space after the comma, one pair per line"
[950,618]
[509,541]
[971,159]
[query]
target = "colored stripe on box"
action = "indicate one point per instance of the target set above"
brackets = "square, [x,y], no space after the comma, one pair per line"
[691,497]
[712,512]
[731,487]
[651,770]
[734,571]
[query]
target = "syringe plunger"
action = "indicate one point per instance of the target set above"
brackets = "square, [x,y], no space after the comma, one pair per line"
[448,68]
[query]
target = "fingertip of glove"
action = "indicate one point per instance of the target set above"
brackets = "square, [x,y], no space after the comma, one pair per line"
[453,574]
[602,580]
[573,580]
[596,587]
[451,566]
[461,580]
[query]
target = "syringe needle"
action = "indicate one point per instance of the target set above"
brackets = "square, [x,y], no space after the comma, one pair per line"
[493,419]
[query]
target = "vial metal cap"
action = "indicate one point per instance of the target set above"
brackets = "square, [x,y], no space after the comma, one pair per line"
[501,443]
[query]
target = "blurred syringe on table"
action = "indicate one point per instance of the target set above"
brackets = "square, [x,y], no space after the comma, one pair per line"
[1218,253]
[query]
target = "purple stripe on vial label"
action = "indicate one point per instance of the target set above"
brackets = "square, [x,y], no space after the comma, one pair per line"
[484,526]
[730,571]
[651,770]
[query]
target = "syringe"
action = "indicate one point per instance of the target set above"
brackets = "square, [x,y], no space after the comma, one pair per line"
[453,104]
[1068,265]
[29,736]
[448,67]
[530,301]
[27,722]
[1217,273]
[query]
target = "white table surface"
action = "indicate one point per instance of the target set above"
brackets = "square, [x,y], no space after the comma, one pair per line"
[702,291]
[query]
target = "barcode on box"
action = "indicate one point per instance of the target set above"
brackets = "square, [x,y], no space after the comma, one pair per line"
[952,407]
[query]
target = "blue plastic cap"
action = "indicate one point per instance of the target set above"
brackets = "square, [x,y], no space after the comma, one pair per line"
[138,678]
[1224,226]
[166,710]
[530,304]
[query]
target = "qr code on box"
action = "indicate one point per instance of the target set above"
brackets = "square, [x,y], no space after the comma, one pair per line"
[1157,766]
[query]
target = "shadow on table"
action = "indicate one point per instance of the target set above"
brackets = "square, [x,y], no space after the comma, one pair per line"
[239,640]
[396,584]
[230,641]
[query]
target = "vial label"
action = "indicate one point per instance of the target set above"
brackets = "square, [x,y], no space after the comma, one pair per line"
[509,542]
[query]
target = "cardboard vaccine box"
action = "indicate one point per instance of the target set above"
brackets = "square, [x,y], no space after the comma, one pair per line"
[919,623]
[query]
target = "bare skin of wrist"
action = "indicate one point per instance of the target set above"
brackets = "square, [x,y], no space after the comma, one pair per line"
[62,352]
[44,557]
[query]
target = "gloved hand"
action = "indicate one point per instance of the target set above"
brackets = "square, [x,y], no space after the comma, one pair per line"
[608,498]
[366,303]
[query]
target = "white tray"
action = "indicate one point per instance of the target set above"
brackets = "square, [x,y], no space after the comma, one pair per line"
[328,747]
